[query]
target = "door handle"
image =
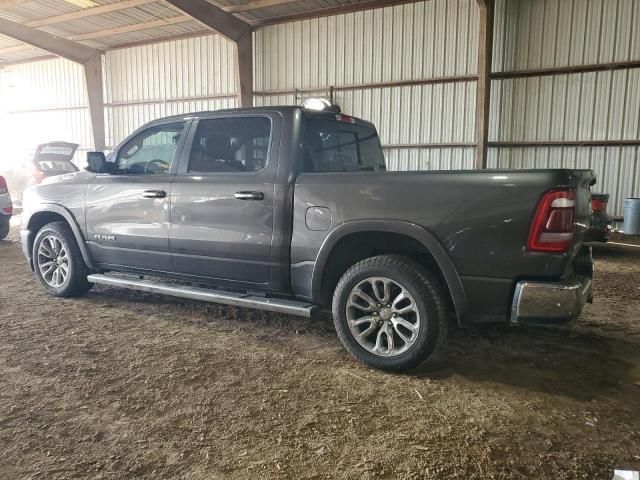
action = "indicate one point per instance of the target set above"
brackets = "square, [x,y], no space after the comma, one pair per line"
[250,195]
[154,194]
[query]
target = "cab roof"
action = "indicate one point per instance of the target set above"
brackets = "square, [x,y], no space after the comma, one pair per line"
[285,110]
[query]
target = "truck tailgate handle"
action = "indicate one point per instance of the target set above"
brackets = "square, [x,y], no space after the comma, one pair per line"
[250,195]
[154,194]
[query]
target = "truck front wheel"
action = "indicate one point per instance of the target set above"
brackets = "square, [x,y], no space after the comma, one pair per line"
[58,261]
[389,312]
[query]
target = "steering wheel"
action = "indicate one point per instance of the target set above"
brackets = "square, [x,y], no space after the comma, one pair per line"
[156,166]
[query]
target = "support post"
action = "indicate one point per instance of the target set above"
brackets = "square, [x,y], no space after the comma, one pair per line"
[244,70]
[95,97]
[483,91]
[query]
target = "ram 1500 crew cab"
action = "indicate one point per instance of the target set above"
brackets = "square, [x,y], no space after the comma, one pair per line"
[289,209]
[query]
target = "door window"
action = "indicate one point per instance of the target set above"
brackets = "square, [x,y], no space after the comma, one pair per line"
[151,151]
[230,145]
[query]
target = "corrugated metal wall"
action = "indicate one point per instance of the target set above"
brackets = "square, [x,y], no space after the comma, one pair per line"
[569,107]
[438,38]
[151,81]
[366,51]
[44,101]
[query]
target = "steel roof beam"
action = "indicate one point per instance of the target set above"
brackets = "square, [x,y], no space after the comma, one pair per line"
[214,17]
[51,43]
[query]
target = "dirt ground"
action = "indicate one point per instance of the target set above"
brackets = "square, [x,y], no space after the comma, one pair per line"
[127,385]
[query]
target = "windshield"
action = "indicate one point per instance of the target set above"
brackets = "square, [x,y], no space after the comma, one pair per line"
[341,146]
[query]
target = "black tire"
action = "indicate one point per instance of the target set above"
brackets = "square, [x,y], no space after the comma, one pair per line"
[75,284]
[4,230]
[429,300]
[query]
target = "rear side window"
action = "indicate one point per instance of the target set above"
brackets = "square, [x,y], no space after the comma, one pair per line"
[336,146]
[239,144]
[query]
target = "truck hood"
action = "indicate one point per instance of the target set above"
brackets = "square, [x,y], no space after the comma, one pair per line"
[67,189]
[73,178]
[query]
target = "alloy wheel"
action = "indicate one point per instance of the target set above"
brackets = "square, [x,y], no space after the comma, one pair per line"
[383,316]
[53,261]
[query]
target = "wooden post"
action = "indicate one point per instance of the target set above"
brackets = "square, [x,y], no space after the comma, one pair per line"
[483,91]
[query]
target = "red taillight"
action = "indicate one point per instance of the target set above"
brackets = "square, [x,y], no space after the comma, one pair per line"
[552,226]
[3,185]
[7,210]
[598,205]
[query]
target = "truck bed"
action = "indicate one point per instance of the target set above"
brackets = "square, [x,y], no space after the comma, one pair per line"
[480,218]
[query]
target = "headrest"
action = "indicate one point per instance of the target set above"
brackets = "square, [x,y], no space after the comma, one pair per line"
[218,147]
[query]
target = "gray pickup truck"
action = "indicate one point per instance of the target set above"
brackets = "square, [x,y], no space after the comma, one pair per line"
[290,210]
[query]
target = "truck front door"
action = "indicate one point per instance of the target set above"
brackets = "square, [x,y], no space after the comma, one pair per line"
[127,211]
[222,200]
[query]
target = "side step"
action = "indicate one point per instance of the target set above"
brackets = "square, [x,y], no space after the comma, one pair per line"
[291,307]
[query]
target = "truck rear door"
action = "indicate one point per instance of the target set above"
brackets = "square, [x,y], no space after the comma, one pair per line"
[222,200]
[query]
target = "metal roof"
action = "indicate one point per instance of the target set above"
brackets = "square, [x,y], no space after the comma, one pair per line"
[108,24]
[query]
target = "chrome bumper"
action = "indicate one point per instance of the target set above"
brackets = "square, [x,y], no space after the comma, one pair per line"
[550,303]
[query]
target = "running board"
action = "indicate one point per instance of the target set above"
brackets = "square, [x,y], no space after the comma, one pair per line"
[291,307]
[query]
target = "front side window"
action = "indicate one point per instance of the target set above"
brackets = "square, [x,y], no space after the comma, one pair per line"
[151,151]
[336,146]
[230,145]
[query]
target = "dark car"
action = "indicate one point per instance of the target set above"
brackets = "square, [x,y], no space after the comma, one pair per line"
[289,209]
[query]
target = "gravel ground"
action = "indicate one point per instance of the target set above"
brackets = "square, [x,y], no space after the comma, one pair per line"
[127,385]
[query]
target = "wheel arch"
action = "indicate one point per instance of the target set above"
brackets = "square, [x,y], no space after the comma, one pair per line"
[333,258]
[57,213]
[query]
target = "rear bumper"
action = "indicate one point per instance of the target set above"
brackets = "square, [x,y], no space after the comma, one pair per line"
[550,303]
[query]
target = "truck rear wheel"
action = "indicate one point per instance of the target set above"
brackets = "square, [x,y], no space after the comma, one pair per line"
[58,262]
[389,312]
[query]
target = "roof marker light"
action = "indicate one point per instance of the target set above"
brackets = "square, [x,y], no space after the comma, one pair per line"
[316,104]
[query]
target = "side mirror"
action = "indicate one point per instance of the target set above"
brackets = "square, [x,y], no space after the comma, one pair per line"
[97,162]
